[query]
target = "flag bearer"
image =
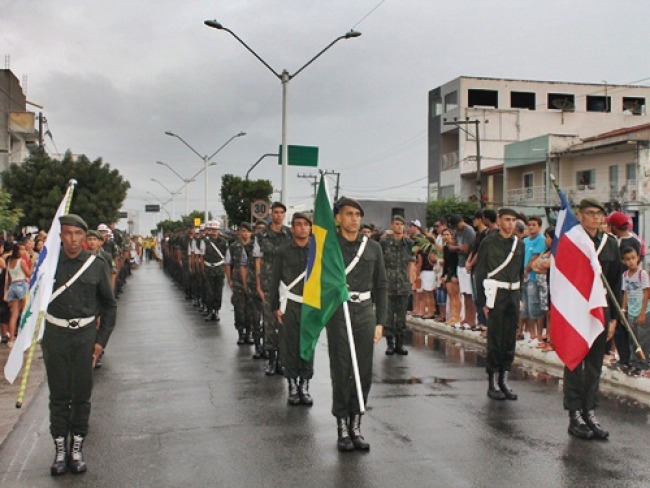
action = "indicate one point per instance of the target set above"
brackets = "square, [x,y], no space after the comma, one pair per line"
[82,287]
[289,268]
[366,281]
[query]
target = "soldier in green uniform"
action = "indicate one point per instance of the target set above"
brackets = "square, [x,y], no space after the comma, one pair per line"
[266,245]
[499,272]
[366,279]
[256,306]
[216,248]
[400,273]
[236,274]
[71,343]
[289,268]
[186,258]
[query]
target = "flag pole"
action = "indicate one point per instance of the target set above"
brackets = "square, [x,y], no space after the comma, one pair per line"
[639,350]
[39,320]
[353,354]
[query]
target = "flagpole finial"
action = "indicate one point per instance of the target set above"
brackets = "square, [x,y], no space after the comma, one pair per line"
[72,182]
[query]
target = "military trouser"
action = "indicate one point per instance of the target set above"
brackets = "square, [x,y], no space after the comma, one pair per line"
[396,311]
[239,301]
[256,316]
[271,339]
[186,277]
[214,290]
[580,386]
[68,361]
[502,331]
[345,402]
[294,365]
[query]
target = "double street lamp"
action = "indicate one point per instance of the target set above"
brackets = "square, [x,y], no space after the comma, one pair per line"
[186,181]
[206,159]
[171,193]
[284,78]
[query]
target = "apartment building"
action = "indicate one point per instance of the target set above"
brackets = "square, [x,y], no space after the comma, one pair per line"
[471,116]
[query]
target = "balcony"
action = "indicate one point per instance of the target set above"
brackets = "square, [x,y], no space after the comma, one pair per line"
[536,195]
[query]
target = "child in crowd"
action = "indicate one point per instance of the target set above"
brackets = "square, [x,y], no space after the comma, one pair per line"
[636,295]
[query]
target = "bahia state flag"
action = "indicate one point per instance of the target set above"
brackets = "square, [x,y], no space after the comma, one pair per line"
[325,283]
[40,291]
[577,292]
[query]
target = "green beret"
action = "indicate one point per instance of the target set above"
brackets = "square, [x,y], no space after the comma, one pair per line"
[507,211]
[260,222]
[73,220]
[246,225]
[400,218]
[301,215]
[591,202]
[278,204]
[366,226]
[350,202]
[96,234]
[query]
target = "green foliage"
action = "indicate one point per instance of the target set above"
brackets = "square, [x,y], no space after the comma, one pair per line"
[445,208]
[169,226]
[38,184]
[188,220]
[9,218]
[426,245]
[237,194]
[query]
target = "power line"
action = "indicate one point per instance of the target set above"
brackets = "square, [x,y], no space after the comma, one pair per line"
[368,14]
[363,190]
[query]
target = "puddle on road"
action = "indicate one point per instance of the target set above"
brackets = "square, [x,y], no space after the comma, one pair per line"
[425,380]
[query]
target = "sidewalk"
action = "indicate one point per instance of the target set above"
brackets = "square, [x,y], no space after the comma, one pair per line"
[612,381]
[9,414]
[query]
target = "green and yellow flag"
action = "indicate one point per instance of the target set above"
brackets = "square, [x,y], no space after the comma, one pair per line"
[325,283]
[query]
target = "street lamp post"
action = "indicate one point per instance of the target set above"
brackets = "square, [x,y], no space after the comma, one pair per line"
[184,180]
[284,78]
[171,193]
[258,162]
[206,159]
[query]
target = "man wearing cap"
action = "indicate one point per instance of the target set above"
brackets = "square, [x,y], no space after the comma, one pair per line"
[580,386]
[236,274]
[111,248]
[214,261]
[366,280]
[71,343]
[267,243]
[400,274]
[256,307]
[498,273]
[464,237]
[289,268]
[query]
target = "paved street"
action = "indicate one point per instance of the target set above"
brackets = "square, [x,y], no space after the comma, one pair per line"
[179,404]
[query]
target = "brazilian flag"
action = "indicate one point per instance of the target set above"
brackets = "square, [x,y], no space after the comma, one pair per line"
[325,283]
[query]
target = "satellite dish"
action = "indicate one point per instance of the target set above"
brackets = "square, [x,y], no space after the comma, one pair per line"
[564,104]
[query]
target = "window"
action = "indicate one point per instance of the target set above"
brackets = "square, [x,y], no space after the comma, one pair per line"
[522,100]
[446,192]
[397,211]
[562,101]
[613,182]
[599,103]
[436,106]
[483,98]
[586,179]
[451,101]
[528,183]
[633,105]
[630,172]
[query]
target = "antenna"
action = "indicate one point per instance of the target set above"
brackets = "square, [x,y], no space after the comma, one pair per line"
[565,105]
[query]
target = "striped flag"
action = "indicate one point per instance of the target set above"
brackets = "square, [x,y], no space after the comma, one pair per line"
[325,282]
[40,291]
[576,288]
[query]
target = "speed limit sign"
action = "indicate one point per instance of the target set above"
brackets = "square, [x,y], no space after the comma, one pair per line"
[260,209]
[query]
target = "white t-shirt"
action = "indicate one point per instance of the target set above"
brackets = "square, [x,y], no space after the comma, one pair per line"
[634,285]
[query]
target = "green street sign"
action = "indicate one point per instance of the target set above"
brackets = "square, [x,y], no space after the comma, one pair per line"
[301,155]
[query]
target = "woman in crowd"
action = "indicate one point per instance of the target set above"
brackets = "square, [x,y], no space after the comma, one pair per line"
[4,306]
[450,278]
[16,286]
[541,266]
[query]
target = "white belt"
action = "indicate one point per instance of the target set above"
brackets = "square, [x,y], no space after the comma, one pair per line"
[213,265]
[293,297]
[70,323]
[359,296]
[506,285]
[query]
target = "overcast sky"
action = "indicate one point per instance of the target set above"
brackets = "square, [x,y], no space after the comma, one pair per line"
[114,75]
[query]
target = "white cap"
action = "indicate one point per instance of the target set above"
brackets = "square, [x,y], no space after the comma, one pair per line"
[103,227]
[416,223]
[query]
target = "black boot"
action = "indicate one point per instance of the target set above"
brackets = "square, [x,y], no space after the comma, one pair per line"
[578,427]
[303,392]
[494,391]
[390,345]
[589,416]
[399,345]
[60,464]
[279,369]
[76,461]
[259,352]
[505,388]
[242,337]
[294,396]
[355,432]
[273,363]
[211,316]
[249,337]
[344,443]
[216,316]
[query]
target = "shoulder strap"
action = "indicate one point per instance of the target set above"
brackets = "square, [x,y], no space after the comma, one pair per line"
[508,259]
[295,282]
[74,278]
[355,261]
[601,246]
[215,248]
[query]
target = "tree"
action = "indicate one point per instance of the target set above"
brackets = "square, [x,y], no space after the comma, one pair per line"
[237,195]
[188,220]
[9,218]
[38,184]
[165,226]
[444,208]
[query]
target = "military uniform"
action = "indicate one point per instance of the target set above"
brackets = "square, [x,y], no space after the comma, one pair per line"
[68,347]
[503,317]
[236,261]
[397,257]
[214,262]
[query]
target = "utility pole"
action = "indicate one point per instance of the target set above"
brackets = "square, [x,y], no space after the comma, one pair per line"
[314,183]
[338,181]
[477,138]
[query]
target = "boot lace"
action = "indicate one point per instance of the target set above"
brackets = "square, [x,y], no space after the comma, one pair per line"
[75,451]
[59,443]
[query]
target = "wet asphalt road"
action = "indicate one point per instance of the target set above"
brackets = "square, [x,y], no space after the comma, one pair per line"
[178,404]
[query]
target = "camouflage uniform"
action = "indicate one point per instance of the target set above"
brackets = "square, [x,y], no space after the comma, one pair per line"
[236,260]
